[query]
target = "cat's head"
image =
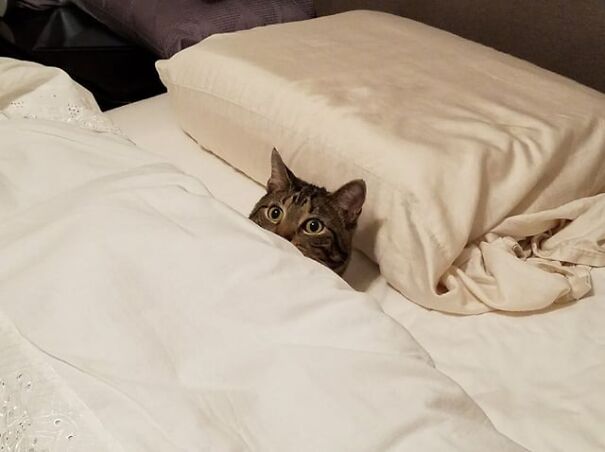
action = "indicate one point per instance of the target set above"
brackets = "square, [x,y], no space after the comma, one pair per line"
[319,223]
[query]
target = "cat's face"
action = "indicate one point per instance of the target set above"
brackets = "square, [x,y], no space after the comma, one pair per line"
[319,223]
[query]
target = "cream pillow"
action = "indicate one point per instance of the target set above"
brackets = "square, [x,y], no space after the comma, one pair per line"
[467,153]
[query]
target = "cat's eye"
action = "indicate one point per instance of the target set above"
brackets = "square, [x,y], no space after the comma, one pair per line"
[313,227]
[274,214]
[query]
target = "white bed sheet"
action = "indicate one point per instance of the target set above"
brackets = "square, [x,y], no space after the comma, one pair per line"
[539,378]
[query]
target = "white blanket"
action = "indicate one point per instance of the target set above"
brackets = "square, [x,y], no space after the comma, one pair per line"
[527,372]
[38,412]
[183,326]
[30,90]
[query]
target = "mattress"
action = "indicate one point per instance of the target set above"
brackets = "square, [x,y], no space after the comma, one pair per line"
[539,377]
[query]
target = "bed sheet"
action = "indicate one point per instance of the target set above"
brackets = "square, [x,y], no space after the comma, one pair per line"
[538,377]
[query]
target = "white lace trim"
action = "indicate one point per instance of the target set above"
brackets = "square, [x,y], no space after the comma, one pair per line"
[45,104]
[49,93]
[38,412]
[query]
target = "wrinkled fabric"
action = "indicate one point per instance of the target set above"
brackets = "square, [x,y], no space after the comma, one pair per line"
[184,326]
[452,139]
[560,245]
[39,411]
[515,366]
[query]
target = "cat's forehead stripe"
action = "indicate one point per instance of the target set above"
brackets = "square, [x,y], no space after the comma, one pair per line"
[301,198]
[287,199]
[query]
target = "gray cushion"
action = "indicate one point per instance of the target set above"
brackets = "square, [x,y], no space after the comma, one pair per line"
[166,27]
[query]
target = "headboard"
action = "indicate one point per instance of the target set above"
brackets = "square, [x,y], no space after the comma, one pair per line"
[564,36]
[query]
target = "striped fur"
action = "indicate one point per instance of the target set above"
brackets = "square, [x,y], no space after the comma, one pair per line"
[303,204]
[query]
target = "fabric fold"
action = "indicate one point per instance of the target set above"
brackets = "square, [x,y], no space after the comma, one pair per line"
[530,261]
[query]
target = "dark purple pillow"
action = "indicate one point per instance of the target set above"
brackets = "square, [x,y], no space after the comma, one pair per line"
[167,26]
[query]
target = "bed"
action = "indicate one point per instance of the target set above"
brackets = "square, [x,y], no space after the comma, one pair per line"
[137,314]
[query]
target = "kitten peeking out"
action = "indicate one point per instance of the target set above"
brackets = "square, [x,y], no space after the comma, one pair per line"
[319,223]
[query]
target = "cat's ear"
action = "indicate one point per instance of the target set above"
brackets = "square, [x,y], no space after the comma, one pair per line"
[281,178]
[350,198]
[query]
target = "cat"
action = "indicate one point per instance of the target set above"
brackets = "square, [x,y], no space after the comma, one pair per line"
[319,223]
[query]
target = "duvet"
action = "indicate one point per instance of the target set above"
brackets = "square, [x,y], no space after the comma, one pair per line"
[173,323]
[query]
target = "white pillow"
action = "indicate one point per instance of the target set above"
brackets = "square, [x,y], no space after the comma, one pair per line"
[452,138]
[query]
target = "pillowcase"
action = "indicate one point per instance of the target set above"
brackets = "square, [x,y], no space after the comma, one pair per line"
[477,164]
[166,27]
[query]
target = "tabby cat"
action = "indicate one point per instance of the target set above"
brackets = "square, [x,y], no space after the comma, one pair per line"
[319,223]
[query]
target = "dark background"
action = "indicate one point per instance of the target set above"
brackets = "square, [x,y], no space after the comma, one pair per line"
[564,36]
[116,71]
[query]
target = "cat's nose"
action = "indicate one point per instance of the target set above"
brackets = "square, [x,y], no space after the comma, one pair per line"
[286,232]
[289,236]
